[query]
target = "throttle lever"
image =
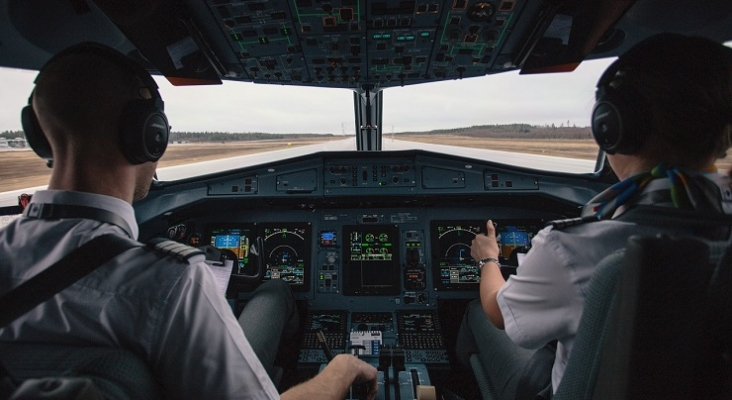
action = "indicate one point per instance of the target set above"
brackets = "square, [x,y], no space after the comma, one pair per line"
[384,365]
[359,390]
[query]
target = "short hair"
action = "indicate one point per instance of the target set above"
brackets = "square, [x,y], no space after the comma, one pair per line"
[84,94]
[685,85]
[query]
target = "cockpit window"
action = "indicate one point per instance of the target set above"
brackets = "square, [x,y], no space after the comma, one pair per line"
[544,118]
[535,121]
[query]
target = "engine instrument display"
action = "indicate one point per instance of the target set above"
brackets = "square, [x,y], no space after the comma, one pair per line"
[238,239]
[371,259]
[453,266]
[287,253]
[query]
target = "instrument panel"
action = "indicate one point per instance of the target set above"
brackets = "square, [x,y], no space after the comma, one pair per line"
[376,248]
[389,230]
[369,279]
[401,258]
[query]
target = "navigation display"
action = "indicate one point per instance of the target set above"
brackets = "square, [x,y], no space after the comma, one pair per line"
[371,259]
[287,253]
[453,266]
[237,239]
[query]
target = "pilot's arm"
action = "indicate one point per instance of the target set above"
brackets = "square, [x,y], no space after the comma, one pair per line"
[540,302]
[333,382]
[198,349]
[491,279]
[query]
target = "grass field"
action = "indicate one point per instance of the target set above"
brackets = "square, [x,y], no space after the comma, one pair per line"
[581,149]
[22,168]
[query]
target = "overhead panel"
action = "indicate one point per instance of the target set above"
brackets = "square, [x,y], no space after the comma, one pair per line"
[357,43]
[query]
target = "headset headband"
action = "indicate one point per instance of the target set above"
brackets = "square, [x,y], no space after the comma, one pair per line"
[144,129]
[94,48]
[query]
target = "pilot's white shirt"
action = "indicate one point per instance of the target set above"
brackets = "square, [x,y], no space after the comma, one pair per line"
[544,300]
[171,313]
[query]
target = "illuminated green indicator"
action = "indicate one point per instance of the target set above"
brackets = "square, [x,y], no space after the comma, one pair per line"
[387,36]
[322,277]
[424,34]
[365,245]
[236,37]
[263,40]
[378,36]
[387,244]
[410,37]
[401,38]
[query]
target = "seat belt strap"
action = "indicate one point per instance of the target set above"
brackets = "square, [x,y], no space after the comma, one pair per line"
[61,275]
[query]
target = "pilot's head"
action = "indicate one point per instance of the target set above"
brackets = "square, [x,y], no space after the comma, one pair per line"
[667,99]
[92,107]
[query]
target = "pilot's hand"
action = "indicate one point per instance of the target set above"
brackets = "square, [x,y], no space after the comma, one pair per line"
[334,381]
[365,374]
[485,246]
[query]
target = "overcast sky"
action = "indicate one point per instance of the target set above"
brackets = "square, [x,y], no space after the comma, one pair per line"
[247,107]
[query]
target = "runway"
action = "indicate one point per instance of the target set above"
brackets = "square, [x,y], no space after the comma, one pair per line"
[206,167]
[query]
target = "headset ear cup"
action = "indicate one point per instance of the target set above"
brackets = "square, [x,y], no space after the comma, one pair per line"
[617,126]
[34,134]
[607,126]
[144,133]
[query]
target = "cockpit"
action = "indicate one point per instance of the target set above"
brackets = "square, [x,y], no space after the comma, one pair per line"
[371,234]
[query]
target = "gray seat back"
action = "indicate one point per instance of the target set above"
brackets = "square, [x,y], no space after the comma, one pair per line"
[649,328]
[663,341]
[582,366]
[119,374]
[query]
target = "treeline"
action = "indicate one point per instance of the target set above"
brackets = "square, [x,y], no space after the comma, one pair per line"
[507,131]
[514,131]
[12,135]
[226,136]
[208,136]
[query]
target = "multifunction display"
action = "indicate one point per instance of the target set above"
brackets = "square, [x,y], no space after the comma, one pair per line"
[238,239]
[282,249]
[371,259]
[453,266]
[287,253]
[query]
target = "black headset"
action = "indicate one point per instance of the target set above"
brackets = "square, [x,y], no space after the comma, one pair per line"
[144,126]
[620,118]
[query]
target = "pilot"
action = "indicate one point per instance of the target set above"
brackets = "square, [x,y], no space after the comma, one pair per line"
[102,119]
[663,115]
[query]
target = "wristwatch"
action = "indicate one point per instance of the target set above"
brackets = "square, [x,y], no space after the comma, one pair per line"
[485,261]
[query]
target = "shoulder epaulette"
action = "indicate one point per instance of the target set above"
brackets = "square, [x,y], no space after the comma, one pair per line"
[180,251]
[565,223]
